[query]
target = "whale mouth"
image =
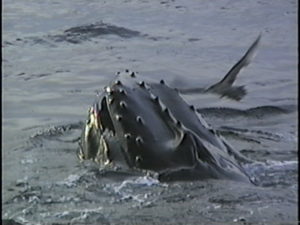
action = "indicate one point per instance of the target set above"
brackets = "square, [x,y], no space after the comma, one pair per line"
[99,141]
[102,116]
[93,131]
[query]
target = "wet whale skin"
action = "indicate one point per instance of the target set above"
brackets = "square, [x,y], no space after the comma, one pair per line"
[147,125]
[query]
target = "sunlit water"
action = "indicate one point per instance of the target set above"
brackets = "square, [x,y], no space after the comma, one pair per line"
[58,54]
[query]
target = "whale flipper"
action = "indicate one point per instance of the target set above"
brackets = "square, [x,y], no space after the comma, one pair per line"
[224,87]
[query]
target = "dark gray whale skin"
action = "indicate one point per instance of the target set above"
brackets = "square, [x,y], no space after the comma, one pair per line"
[136,124]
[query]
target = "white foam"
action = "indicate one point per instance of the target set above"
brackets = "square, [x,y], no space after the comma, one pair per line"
[272,163]
[140,181]
[70,181]
[125,189]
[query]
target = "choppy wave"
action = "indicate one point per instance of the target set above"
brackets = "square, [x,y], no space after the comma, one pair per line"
[57,135]
[44,182]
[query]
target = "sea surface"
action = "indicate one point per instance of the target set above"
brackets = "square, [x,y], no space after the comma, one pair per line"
[56,57]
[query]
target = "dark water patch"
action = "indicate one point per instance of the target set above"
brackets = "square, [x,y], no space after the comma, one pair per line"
[194,39]
[83,33]
[177,198]
[283,99]
[256,112]
[263,154]
[257,154]
[47,41]
[21,74]
[116,174]
[233,199]
[62,71]
[6,43]
[27,77]
[36,76]
[79,34]
[99,29]
[10,222]
[74,91]
[258,133]
[233,134]
[260,83]
[262,110]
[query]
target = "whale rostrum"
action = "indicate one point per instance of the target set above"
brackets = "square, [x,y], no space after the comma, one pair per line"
[147,125]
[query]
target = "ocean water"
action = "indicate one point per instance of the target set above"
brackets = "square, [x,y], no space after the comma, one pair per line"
[57,55]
